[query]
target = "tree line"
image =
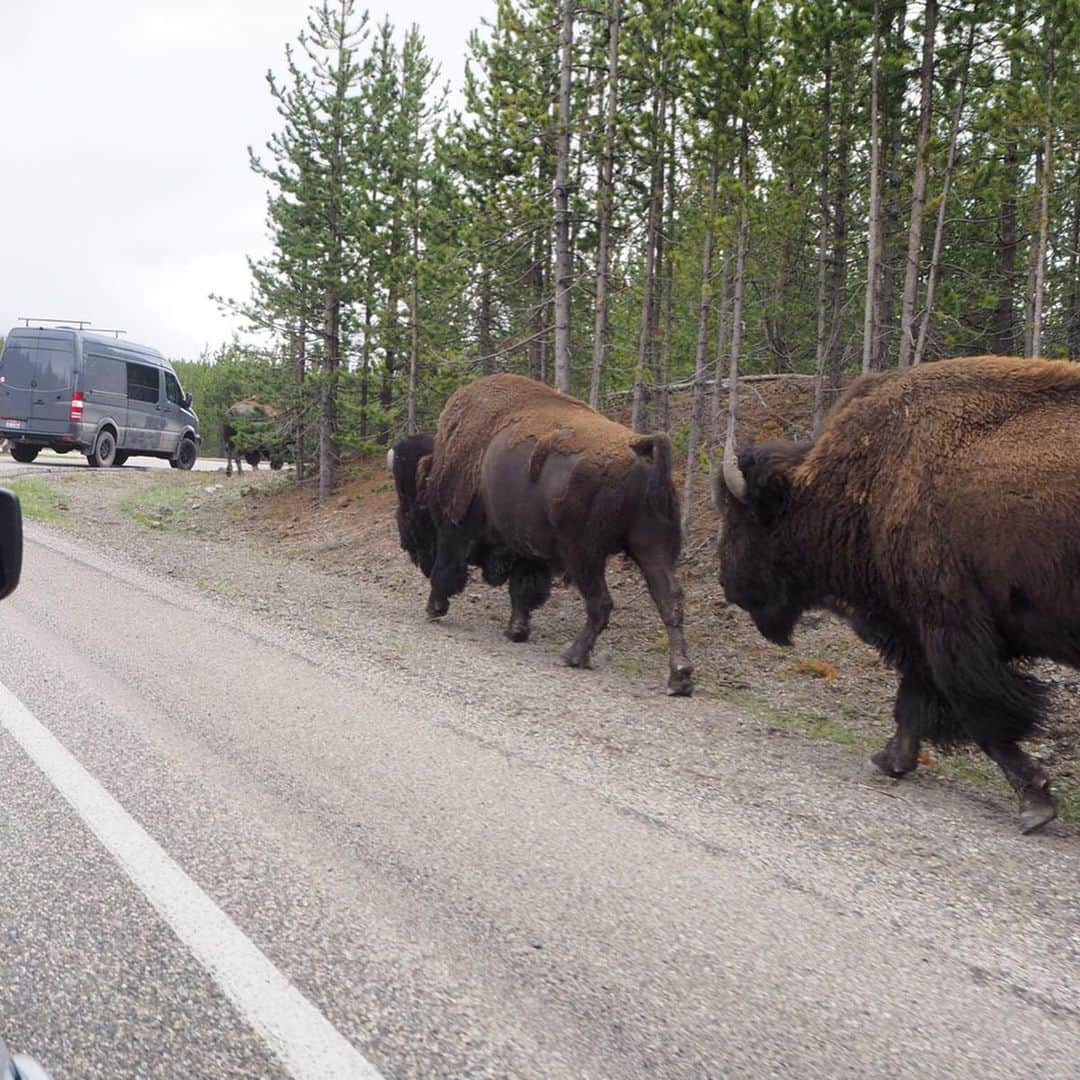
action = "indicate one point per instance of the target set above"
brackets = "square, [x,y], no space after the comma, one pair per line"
[635,195]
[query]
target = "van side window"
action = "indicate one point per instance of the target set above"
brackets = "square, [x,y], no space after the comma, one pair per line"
[172,389]
[142,382]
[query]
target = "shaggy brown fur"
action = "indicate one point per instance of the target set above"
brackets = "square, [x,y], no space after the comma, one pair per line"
[558,423]
[939,509]
[525,483]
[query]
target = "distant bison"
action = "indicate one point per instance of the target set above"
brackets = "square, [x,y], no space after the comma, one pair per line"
[252,430]
[526,482]
[939,511]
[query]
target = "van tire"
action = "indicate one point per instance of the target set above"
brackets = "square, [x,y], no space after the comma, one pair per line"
[104,452]
[121,457]
[186,453]
[24,454]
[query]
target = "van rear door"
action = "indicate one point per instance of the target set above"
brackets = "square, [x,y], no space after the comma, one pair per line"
[54,382]
[16,376]
[37,376]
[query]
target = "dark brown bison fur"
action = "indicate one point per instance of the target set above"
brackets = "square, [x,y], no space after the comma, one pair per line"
[416,529]
[526,482]
[939,511]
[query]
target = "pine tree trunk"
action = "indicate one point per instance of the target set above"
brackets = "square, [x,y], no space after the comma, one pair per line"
[946,185]
[414,321]
[873,231]
[328,394]
[716,413]
[1044,206]
[740,278]
[300,427]
[697,412]
[607,169]
[1004,335]
[641,400]
[564,277]
[667,330]
[821,344]
[841,194]
[487,356]
[1073,313]
[918,194]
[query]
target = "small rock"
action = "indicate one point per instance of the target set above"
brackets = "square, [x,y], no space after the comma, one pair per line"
[344,501]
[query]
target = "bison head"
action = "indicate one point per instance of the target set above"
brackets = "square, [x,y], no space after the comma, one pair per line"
[409,461]
[759,554]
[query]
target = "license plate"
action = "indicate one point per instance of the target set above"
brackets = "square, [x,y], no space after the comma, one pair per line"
[4,422]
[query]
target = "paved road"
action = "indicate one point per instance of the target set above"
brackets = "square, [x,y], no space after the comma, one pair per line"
[49,459]
[270,859]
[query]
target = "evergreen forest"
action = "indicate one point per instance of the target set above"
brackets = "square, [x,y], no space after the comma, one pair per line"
[634,197]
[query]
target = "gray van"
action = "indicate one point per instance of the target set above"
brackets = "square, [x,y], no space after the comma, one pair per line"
[79,390]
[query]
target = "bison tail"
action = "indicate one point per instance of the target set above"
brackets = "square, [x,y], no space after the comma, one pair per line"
[661,500]
[991,700]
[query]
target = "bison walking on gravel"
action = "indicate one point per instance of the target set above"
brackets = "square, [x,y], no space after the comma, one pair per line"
[525,483]
[251,431]
[939,511]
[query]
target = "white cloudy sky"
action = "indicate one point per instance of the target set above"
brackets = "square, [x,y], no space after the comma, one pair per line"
[125,192]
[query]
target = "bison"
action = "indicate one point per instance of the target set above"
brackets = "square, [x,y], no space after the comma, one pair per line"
[938,510]
[526,483]
[251,430]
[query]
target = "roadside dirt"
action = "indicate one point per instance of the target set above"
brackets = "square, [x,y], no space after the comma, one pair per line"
[828,686]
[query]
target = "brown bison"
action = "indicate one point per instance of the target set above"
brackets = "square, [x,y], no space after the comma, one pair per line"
[526,482]
[251,430]
[939,511]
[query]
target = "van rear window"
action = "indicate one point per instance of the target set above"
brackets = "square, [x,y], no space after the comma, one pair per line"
[41,364]
[142,382]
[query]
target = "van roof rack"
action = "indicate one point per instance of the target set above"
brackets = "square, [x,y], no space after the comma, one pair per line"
[71,324]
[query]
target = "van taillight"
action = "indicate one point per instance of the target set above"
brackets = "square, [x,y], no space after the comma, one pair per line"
[76,406]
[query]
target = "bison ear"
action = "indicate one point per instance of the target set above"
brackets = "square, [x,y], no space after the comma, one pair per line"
[768,484]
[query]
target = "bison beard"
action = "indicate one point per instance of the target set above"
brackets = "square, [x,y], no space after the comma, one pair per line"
[525,483]
[939,511]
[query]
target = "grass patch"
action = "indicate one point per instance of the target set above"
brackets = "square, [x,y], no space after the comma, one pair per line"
[39,501]
[164,507]
[958,767]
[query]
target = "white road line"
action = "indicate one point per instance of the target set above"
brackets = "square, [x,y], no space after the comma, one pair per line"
[307,1044]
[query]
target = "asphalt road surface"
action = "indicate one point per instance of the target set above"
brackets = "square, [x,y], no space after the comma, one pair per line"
[75,460]
[227,851]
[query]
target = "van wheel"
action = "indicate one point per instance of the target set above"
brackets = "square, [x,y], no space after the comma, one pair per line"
[121,457]
[185,455]
[104,452]
[24,454]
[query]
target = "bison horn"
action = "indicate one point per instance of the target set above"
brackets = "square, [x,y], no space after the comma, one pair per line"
[733,475]
[390,459]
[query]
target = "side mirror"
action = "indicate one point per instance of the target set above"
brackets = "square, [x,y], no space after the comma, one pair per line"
[11,541]
[187,401]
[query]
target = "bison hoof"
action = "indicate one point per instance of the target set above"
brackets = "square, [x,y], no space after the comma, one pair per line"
[517,632]
[681,682]
[577,660]
[436,609]
[1036,810]
[885,761]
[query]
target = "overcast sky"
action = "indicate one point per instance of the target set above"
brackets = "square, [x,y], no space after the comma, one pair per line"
[125,192]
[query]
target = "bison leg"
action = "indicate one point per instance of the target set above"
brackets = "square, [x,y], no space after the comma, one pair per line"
[450,572]
[530,586]
[667,595]
[914,702]
[1031,784]
[589,578]
[997,707]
